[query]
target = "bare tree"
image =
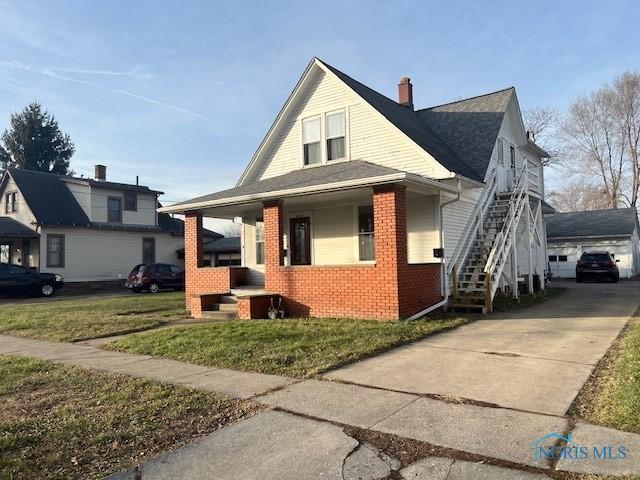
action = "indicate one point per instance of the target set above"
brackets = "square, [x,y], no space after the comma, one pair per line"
[578,196]
[593,137]
[541,124]
[626,106]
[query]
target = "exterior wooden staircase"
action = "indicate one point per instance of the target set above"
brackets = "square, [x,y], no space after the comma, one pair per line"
[478,262]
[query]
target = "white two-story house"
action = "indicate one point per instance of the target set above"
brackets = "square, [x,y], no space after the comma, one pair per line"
[84,229]
[358,205]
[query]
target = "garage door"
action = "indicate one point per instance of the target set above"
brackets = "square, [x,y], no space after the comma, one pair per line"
[562,261]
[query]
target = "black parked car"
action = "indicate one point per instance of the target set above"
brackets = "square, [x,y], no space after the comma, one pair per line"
[155,276]
[599,265]
[18,280]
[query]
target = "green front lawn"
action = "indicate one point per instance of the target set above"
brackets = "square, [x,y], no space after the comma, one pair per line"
[297,348]
[59,422]
[612,395]
[76,319]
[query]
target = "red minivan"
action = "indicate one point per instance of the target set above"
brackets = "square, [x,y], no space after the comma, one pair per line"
[154,277]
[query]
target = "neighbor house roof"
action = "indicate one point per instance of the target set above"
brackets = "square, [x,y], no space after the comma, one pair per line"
[49,199]
[303,181]
[12,228]
[220,245]
[470,127]
[619,222]
[53,204]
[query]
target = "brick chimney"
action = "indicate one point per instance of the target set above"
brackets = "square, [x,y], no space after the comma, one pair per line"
[101,173]
[405,92]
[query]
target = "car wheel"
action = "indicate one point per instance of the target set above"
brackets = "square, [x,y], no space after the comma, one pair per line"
[46,290]
[154,287]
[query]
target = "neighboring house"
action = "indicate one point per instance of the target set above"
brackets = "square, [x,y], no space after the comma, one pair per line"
[219,252]
[84,229]
[356,205]
[615,231]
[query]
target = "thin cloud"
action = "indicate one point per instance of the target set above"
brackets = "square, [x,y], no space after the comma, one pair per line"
[50,72]
[136,72]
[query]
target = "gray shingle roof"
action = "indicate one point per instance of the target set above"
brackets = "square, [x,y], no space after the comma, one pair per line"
[49,198]
[598,223]
[12,228]
[470,126]
[305,177]
[220,245]
[409,122]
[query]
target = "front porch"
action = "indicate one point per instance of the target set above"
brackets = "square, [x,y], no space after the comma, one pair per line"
[19,244]
[362,252]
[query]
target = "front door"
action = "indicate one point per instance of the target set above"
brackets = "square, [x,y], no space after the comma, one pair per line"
[300,231]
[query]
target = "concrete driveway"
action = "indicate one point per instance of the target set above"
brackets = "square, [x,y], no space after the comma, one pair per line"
[535,359]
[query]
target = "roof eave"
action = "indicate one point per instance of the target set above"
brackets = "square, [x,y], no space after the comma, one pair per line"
[308,190]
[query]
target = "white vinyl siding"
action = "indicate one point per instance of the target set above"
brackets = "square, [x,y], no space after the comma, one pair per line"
[92,255]
[423,234]
[455,218]
[23,214]
[144,215]
[369,136]
[333,236]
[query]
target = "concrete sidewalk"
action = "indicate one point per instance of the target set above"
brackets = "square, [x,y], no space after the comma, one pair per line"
[496,433]
[233,383]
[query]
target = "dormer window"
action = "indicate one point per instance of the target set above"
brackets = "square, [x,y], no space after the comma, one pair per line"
[335,135]
[311,140]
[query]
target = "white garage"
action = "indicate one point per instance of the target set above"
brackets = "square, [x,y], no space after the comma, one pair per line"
[615,231]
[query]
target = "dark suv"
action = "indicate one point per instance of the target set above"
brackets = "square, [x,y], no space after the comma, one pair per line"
[155,276]
[18,280]
[597,265]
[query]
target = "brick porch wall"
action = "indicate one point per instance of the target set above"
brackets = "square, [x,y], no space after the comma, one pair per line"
[199,279]
[390,289]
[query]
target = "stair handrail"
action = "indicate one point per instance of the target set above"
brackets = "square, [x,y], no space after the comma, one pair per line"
[503,238]
[463,247]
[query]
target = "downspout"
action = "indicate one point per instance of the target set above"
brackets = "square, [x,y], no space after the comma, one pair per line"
[443,279]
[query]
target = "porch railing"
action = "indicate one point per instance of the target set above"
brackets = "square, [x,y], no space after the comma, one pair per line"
[497,258]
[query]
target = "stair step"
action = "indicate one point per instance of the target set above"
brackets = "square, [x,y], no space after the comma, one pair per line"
[218,315]
[225,307]
[472,306]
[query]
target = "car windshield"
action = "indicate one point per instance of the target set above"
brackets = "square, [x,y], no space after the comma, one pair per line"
[596,257]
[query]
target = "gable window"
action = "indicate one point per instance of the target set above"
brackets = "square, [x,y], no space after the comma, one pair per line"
[512,154]
[259,241]
[335,125]
[311,140]
[55,251]
[114,210]
[148,250]
[131,201]
[11,202]
[366,236]
[500,148]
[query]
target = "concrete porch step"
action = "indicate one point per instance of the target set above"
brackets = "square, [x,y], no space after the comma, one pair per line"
[219,315]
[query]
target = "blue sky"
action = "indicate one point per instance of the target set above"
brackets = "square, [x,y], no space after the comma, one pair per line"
[181,93]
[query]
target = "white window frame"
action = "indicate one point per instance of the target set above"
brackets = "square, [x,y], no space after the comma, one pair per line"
[320,118]
[500,148]
[324,154]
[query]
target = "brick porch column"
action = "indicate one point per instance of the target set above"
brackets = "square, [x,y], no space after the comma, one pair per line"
[273,244]
[193,251]
[390,223]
